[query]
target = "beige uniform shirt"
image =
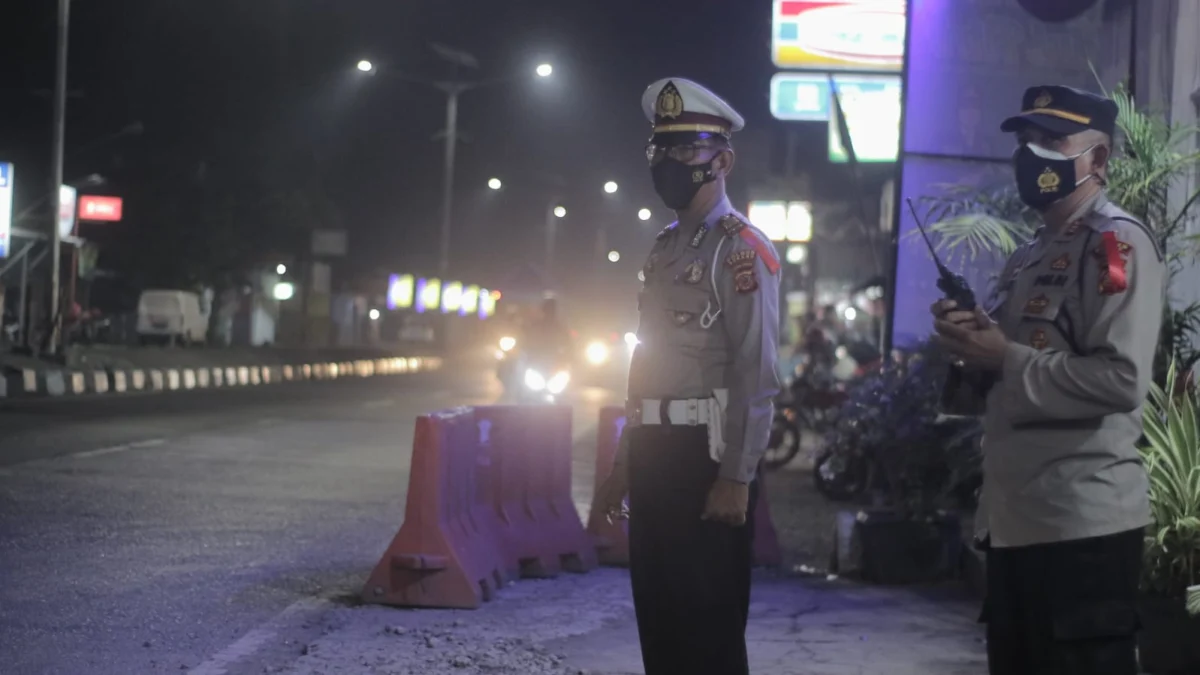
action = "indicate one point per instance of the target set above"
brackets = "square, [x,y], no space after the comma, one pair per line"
[1082,308]
[709,320]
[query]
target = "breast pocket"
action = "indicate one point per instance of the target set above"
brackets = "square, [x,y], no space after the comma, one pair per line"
[683,311]
[1045,322]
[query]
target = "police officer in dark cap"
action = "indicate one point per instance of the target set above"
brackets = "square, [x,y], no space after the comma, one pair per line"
[1059,364]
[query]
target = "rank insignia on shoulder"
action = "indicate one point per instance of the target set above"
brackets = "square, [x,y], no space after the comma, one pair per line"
[694,272]
[1039,340]
[742,265]
[1113,255]
[1037,304]
[732,224]
[1061,263]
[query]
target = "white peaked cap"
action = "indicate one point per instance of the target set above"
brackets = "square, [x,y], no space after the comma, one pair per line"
[677,105]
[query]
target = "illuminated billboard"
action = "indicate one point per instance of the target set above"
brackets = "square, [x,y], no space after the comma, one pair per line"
[452,297]
[872,105]
[839,35]
[470,301]
[6,206]
[401,291]
[429,295]
[66,210]
[783,221]
[100,209]
[800,97]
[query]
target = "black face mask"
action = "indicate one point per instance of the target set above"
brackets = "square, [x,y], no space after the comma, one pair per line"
[677,183]
[1044,176]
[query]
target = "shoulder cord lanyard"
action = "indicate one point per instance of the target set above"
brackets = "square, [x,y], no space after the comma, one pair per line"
[708,318]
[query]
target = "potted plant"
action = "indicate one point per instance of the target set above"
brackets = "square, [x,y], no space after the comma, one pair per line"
[1169,642]
[912,462]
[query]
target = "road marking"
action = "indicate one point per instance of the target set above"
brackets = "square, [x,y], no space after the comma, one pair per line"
[151,443]
[254,640]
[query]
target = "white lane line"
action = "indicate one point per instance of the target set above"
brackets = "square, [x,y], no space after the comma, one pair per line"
[151,443]
[254,640]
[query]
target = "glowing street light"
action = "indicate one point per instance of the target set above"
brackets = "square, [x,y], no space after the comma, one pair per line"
[545,70]
[374,314]
[614,256]
[644,214]
[281,269]
[560,212]
[495,183]
[366,66]
[610,187]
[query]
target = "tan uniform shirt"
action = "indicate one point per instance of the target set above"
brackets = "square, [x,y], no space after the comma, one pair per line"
[709,321]
[1082,308]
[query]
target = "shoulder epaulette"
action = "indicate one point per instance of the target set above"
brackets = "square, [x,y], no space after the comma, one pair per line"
[732,224]
[1125,218]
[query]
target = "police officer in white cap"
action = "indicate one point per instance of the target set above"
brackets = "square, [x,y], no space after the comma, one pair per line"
[701,387]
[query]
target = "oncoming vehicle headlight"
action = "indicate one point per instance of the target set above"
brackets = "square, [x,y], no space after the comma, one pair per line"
[559,382]
[596,353]
[535,380]
[507,343]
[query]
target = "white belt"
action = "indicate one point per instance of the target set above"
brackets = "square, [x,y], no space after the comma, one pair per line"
[684,412]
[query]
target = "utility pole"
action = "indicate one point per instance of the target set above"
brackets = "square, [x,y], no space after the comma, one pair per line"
[452,90]
[56,172]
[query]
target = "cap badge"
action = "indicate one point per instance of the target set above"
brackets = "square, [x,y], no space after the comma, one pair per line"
[1048,181]
[1044,99]
[670,103]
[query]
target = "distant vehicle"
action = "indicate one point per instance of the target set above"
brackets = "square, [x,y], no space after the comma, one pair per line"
[171,317]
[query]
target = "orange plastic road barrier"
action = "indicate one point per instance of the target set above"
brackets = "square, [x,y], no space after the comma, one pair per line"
[539,530]
[612,539]
[445,554]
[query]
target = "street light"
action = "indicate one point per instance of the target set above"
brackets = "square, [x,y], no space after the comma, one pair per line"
[366,66]
[644,214]
[281,269]
[495,184]
[560,212]
[545,70]
[610,187]
[614,256]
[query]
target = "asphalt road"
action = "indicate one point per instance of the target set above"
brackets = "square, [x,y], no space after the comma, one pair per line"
[156,534]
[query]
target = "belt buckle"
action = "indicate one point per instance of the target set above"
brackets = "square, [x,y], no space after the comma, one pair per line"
[633,412]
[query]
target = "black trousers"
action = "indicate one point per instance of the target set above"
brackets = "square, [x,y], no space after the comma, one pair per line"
[1064,608]
[691,578]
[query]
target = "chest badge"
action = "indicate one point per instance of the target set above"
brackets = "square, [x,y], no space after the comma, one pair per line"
[694,272]
[741,263]
[1039,340]
[1061,263]
[1037,304]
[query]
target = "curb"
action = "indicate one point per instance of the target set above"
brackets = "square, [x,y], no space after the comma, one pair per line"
[29,383]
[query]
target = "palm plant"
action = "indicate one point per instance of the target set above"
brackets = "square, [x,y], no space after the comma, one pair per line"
[1140,179]
[1171,453]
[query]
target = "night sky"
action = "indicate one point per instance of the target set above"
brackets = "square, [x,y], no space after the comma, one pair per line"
[234,85]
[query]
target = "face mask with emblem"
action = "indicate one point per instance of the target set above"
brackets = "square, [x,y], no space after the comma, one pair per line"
[677,183]
[1045,176]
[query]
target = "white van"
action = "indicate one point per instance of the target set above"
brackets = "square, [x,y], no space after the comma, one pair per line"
[171,316]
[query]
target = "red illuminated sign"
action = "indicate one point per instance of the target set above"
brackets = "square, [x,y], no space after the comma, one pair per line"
[103,209]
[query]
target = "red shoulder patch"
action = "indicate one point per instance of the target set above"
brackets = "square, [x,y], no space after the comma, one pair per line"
[1113,255]
[765,251]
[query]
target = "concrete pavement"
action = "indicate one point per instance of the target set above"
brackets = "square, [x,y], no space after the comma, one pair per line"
[230,534]
[170,534]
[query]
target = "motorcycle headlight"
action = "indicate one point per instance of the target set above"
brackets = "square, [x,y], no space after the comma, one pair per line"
[596,353]
[559,382]
[535,380]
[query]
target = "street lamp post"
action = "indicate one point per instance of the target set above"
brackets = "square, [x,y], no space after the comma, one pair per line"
[554,211]
[56,171]
[452,90]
